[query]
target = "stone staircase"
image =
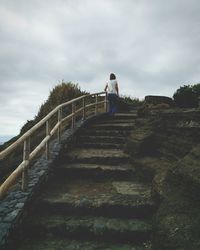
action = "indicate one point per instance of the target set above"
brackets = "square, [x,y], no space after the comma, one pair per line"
[93,200]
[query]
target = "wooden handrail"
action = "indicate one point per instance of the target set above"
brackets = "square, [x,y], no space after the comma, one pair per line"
[9,149]
[5,152]
[25,138]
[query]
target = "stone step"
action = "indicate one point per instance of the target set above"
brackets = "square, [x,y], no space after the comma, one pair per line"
[96,171]
[99,139]
[67,244]
[102,132]
[118,126]
[124,115]
[101,145]
[105,156]
[90,196]
[89,227]
[116,121]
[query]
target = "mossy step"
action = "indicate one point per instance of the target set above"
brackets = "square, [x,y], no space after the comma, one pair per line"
[124,115]
[97,196]
[92,131]
[96,171]
[89,227]
[51,243]
[100,145]
[118,126]
[99,139]
[116,120]
[108,156]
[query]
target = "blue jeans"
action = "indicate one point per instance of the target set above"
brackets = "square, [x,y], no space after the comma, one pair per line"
[112,99]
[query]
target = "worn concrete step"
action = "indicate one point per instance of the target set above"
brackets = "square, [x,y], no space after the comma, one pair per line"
[105,132]
[52,243]
[130,115]
[117,120]
[99,139]
[105,156]
[124,171]
[118,126]
[100,145]
[85,196]
[90,228]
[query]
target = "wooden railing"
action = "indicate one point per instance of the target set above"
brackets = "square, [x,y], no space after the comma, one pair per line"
[28,156]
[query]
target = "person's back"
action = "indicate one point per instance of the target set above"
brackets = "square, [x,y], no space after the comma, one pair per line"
[113,93]
[112,87]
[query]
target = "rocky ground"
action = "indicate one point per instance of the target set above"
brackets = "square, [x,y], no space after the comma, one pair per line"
[165,149]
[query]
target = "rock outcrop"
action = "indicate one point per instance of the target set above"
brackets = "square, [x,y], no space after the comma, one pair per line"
[172,163]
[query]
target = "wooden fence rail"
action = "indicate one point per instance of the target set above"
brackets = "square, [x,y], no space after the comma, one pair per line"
[28,156]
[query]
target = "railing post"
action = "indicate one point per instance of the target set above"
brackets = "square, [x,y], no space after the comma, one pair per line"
[59,120]
[47,144]
[73,115]
[96,104]
[83,108]
[26,153]
[106,102]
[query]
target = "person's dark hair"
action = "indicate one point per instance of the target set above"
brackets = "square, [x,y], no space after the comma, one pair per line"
[112,76]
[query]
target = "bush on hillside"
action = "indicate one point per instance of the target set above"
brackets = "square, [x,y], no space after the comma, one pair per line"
[125,103]
[132,100]
[187,96]
[59,94]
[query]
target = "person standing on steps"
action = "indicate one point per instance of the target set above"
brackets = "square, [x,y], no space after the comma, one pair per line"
[113,93]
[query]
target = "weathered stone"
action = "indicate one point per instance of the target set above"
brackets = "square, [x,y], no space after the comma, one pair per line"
[18,195]
[19,205]
[152,99]
[131,230]
[3,207]
[49,243]
[187,170]
[4,231]
[12,216]
[111,156]
[130,188]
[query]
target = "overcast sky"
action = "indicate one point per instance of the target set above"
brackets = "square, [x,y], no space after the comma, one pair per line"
[152,46]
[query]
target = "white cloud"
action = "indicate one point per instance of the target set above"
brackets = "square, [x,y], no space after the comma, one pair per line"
[152,46]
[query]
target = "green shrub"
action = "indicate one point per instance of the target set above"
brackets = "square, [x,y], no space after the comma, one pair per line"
[187,96]
[125,103]
[59,94]
[132,100]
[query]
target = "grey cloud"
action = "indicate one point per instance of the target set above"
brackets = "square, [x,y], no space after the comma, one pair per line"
[152,46]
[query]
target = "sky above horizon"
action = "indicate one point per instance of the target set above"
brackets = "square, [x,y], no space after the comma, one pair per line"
[152,46]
